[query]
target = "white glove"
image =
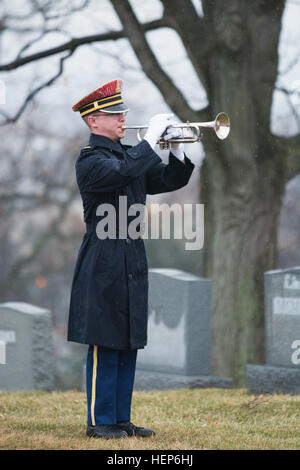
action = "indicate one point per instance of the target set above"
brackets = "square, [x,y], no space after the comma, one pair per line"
[176,148]
[157,127]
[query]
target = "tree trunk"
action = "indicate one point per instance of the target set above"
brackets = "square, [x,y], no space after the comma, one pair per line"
[242,181]
[241,215]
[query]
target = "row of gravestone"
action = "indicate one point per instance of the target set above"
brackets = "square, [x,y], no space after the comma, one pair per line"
[178,351]
[281,372]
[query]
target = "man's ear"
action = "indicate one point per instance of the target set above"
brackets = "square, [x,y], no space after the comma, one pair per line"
[91,121]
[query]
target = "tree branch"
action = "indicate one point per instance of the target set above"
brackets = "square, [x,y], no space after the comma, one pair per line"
[288,94]
[193,33]
[72,45]
[9,120]
[135,34]
[35,40]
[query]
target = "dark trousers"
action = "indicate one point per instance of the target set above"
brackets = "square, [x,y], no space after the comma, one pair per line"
[109,385]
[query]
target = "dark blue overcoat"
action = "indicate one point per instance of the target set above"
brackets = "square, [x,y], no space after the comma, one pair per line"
[109,294]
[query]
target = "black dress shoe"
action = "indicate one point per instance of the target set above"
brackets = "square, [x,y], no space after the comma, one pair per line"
[106,431]
[133,430]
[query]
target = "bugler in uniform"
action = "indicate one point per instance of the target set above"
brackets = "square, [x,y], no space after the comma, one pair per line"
[109,294]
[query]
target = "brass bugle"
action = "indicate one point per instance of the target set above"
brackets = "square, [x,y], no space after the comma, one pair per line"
[221,126]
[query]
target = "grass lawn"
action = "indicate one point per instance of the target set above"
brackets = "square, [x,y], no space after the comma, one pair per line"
[183,419]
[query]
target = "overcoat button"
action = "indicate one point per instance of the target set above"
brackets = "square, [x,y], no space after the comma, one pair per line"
[130,276]
[127,240]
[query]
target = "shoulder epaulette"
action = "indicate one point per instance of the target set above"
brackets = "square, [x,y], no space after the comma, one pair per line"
[87,148]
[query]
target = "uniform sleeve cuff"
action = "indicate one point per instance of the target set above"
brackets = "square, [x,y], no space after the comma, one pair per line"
[186,162]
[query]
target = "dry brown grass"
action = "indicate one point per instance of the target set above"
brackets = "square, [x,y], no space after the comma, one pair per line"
[182,419]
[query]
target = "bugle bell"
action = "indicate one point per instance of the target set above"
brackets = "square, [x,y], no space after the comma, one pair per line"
[221,126]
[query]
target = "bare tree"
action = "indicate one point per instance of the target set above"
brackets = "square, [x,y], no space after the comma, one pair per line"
[233,48]
[39,225]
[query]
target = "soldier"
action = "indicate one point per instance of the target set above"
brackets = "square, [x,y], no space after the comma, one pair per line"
[109,294]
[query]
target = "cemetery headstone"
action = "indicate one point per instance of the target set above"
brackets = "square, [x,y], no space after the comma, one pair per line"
[26,331]
[281,373]
[179,335]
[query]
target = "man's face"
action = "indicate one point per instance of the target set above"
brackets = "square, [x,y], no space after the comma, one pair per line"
[108,124]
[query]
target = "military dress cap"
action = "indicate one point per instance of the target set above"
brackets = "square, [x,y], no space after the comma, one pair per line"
[107,98]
